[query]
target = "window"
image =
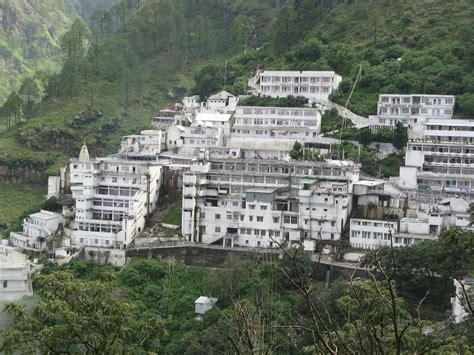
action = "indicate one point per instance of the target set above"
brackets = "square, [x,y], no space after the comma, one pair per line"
[217,229]
[294,220]
[259,219]
[286,219]
[229,216]
[249,231]
[252,207]
[276,219]
[262,233]
[5,284]
[217,216]
[256,232]
[114,179]
[263,208]
[97,241]
[250,218]
[235,203]
[203,215]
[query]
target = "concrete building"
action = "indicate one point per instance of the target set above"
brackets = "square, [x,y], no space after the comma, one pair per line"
[216,120]
[258,203]
[410,110]
[427,225]
[144,146]
[441,157]
[15,275]
[371,234]
[112,198]
[222,102]
[37,228]
[167,116]
[269,124]
[316,86]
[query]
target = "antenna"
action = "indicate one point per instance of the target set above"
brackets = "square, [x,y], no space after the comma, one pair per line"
[225,73]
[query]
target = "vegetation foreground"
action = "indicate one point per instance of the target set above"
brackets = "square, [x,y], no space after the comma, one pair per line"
[275,306]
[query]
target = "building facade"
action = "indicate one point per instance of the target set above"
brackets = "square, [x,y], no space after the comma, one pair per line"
[37,228]
[316,86]
[146,145]
[410,110]
[112,198]
[262,203]
[441,157]
[252,123]
[15,275]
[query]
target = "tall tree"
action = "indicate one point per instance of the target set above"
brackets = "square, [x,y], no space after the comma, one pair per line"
[243,30]
[75,316]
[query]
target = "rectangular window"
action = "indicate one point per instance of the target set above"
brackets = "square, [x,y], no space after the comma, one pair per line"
[217,216]
[217,229]
[259,219]
[252,207]
[250,218]
[276,219]
[263,208]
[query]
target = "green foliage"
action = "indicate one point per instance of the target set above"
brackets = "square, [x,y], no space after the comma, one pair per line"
[77,316]
[400,136]
[173,215]
[296,152]
[429,265]
[266,101]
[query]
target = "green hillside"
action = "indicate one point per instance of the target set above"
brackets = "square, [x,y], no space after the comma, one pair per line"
[141,54]
[30,36]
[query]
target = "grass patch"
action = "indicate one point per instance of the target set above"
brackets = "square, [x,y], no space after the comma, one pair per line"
[15,199]
[173,216]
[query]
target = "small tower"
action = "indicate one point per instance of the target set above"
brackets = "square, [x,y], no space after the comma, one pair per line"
[84,154]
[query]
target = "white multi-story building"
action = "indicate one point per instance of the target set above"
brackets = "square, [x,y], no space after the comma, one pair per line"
[146,145]
[222,102]
[257,125]
[37,228]
[167,116]
[15,275]
[373,233]
[441,157]
[112,198]
[223,121]
[410,109]
[316,86]
[258,203]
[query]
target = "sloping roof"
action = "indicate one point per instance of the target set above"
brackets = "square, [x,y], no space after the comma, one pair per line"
[221,95]
[456,204]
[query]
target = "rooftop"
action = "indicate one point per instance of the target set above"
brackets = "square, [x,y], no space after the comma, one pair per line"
[45,215]
[214,117]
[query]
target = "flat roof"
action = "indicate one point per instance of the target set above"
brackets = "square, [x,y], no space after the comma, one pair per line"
[43,214]
[421,95]
[300,72]
[369,183]
[449,122]
[215,117]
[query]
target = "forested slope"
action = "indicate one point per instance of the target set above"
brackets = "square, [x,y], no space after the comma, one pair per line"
[141,54]
[30,35]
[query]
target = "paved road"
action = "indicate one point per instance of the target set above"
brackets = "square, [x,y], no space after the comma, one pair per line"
[358,121]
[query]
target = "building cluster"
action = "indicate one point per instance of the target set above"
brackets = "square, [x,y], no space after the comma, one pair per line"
[241,188]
